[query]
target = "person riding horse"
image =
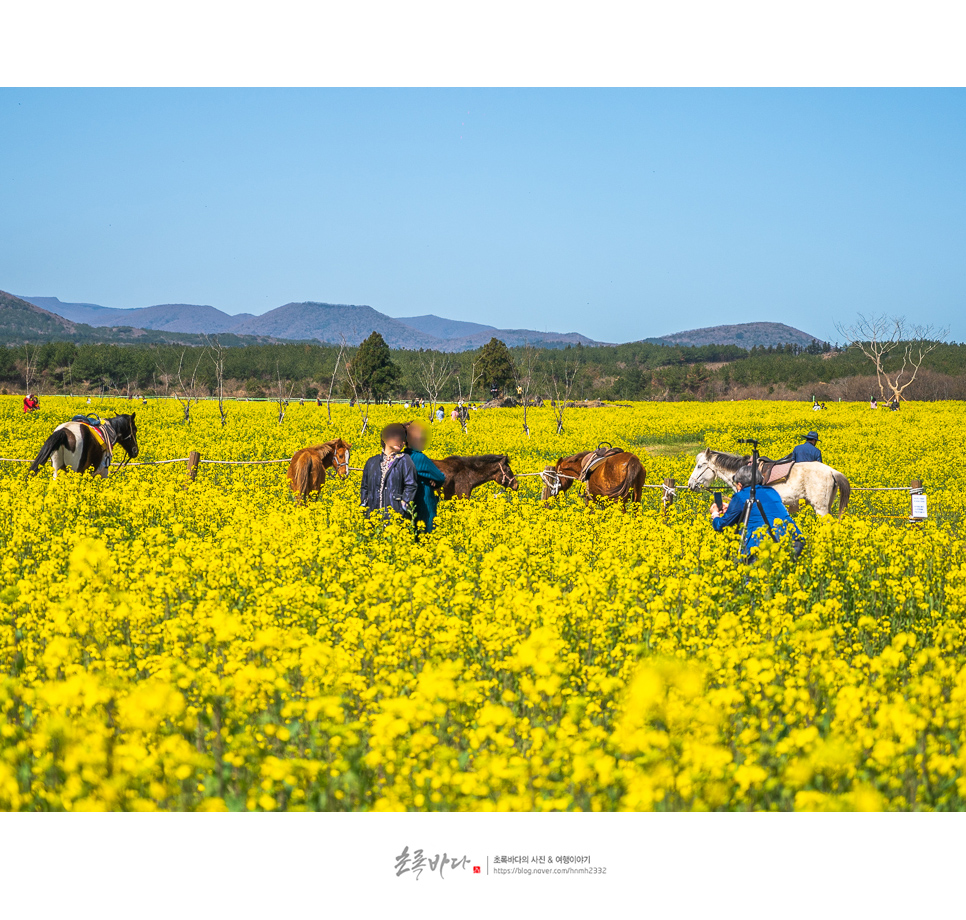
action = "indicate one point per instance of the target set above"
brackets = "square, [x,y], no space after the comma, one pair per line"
[806,452]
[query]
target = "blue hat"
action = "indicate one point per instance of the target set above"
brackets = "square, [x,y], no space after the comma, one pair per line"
[812,436]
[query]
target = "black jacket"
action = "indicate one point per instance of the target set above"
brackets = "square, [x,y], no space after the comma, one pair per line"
[397,492]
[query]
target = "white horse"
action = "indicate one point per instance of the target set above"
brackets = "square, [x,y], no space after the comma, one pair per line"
[815,483]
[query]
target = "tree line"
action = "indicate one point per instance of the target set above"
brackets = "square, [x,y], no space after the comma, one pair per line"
[372,371]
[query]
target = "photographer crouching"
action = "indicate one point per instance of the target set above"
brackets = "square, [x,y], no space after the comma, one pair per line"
[761,507]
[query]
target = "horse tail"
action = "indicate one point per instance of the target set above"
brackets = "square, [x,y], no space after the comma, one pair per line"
[299,473]
[303,476]
[633,479]
[845,490]
[60,438]
[639,485]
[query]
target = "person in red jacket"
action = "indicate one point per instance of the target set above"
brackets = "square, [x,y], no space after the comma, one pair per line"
[30,403]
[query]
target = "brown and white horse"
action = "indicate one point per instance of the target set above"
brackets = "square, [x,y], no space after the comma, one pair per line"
[464,474]
[618,477]
[88,444]
[306,470]
[812,482]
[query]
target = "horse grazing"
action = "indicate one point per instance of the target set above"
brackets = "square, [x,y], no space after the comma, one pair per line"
[306,470]
[87,443]
[812,482]
[464,474]
[618,476]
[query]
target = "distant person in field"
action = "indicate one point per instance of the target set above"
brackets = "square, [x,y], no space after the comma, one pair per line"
[30,403]
[873,403]
[429,477]
[389,478]
[440,414]
[733,515]
[455,414]
[894,405]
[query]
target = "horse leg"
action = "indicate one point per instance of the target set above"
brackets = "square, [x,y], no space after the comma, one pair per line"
[822,501]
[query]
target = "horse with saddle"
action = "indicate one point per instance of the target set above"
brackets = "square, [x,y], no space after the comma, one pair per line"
[607,472]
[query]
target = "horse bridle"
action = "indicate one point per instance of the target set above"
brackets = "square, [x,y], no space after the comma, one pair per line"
[714,475]
[508,477]
[109,429]
[345,463]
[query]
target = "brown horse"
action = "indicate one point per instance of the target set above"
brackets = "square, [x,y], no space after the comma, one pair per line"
[306,471]
[618,477]
[464,474]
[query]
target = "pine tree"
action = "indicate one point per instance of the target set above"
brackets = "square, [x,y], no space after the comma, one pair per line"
[375,373]
[495,366]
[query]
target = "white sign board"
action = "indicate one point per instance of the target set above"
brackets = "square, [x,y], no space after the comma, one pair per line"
[919,506]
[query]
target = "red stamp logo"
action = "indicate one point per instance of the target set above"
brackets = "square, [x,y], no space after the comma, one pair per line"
[476,870]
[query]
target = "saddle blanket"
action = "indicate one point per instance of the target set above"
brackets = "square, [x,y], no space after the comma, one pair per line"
[95,426]
[773,472]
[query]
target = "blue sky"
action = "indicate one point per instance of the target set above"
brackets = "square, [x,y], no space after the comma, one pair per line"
[620,214]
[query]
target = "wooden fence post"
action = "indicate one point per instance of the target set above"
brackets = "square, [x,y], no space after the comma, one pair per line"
[193,459]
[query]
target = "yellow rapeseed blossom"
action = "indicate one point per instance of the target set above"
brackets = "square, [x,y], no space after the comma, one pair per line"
[213,645]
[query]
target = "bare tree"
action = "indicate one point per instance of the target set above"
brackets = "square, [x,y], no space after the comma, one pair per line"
[879,337]
[355,387]
[30,365]
[186,389]
[433,373]
[561,377]
[523,372]
[335,371]
[464,408]
[217,352]
[280,397]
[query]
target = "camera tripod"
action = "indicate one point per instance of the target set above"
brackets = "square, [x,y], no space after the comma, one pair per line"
[753,501]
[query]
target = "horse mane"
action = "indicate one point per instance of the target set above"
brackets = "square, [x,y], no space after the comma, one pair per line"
[478,461]
[121,425]
[328,448]
[731,463]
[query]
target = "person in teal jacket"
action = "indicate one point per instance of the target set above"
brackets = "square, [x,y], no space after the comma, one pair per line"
[429,477]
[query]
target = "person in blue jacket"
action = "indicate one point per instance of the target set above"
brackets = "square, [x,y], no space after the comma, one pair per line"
[733,515]
[389,478]
[429,476]
[807,452]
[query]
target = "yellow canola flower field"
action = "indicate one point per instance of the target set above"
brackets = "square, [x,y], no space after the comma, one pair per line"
[212,645]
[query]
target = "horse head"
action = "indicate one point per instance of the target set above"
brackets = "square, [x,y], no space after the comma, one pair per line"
[507,478]
[704,472]
[340,458]
[126,430]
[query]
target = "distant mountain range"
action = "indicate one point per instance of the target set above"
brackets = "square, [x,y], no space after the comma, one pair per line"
[324,322]
[39,318]
[21,321]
